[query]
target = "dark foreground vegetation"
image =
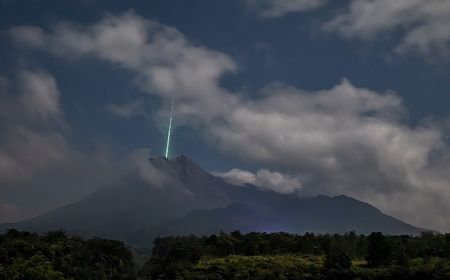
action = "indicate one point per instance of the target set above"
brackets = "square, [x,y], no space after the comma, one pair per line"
[55,255]
[309,256]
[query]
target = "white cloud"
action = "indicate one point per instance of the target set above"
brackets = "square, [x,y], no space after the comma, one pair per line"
[39,168]
[423,26]
[165,61]
[38,98]
[275,181]
[277,8]
[346,140]
[146,170]
[40,95]
[23,148]
[342,140]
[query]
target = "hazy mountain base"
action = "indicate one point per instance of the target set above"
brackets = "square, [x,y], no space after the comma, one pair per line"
[182,198]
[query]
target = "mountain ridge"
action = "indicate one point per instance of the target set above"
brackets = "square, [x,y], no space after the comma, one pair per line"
[188,198]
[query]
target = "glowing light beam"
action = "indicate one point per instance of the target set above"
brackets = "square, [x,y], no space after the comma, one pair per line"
[170,128]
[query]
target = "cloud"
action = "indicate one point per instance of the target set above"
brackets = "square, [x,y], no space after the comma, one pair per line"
[26,151]
[424,26]
[24,148]
[39,168]
[40,95]
[34,137]
[420,26]
[10,212]
[344,140]
[38,102]
[264,178]
[165,61]
[341,140]
[147,171]
[277,8]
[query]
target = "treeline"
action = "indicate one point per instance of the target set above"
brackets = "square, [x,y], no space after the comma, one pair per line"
[57,256]
[395,248]
[308,256]
[274,256]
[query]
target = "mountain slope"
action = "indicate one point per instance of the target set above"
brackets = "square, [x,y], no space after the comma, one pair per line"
[186,199]
[206,222]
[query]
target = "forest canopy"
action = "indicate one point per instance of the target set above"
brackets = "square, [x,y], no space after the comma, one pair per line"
[58,256]
[310,256]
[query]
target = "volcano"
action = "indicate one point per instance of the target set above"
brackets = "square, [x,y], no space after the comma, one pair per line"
[179,197]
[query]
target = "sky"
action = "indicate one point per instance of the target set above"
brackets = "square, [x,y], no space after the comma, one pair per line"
[298,96]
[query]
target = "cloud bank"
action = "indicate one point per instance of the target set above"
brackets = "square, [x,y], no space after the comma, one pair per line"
[164,60]
[25,149]
[36,156]
[342,140]
[276,181]
[424,25]
[415,25]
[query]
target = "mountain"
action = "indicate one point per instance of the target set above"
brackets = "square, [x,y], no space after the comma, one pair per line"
[204,222]
[179,197]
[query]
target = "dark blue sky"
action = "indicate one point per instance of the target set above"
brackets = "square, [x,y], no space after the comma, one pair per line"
[292,49]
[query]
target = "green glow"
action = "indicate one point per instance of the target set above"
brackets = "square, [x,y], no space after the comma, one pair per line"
[170,129]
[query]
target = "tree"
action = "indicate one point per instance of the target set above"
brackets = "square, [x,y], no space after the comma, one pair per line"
[337,262]
[337,259]
[57,256]
[378,250]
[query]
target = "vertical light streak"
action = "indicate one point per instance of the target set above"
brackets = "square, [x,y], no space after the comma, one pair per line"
[170,128]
